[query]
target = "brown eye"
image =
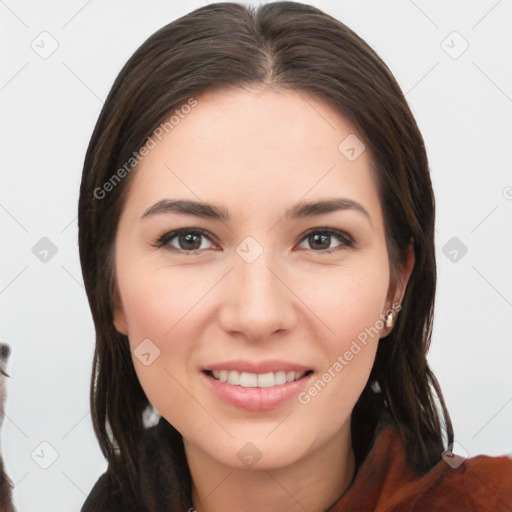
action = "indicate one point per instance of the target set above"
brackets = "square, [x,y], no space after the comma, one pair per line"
[320,240]
[189,241]
[184,240]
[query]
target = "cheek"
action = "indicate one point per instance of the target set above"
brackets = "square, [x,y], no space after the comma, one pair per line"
[163,308]
[348,299]
[350,303]
[157,299]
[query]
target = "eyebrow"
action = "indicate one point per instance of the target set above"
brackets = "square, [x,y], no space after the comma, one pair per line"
[210,211]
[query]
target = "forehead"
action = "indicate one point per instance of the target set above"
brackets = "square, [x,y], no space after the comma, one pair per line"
[256,148]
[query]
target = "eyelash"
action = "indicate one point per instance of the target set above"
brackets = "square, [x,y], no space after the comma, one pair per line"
[346,240]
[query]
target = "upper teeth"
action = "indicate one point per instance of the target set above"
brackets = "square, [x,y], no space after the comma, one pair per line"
[256,380]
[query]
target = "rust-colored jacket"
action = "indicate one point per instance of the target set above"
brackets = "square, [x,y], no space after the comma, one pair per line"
[383,482]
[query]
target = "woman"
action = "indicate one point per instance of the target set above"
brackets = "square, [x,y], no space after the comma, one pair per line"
[287,375]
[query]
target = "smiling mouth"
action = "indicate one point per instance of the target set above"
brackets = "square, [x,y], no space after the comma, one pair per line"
[256,380]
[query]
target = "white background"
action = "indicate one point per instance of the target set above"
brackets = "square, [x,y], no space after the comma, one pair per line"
[48,108]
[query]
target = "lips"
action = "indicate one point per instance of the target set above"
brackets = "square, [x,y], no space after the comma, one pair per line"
[272,365]
[256,386]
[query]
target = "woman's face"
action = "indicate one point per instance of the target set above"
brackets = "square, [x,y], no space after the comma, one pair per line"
[255,297]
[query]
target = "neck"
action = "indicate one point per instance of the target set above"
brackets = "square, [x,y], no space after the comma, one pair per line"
[312,483]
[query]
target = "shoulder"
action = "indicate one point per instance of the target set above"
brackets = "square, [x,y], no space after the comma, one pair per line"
[109,493]
[385,481]
[479,483]
[102,496]
[160,481]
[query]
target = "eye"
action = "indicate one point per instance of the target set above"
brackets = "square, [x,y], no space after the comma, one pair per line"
[321,239]
[187,240]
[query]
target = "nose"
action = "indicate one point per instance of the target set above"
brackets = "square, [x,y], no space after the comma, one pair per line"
[258,302]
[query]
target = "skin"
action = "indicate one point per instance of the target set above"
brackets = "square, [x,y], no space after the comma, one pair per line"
[256,152]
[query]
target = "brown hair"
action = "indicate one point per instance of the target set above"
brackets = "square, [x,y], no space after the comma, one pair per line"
[293,46]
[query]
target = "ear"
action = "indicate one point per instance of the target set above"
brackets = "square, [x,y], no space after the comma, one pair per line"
[397,292]
[118,313]
[405,271]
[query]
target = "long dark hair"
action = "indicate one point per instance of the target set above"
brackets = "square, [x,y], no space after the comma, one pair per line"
[294,46]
